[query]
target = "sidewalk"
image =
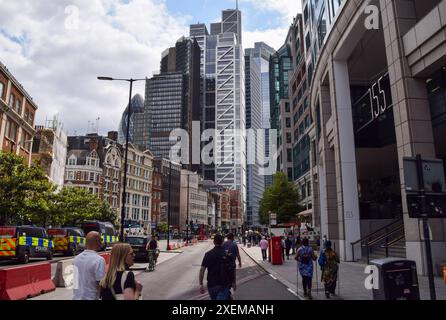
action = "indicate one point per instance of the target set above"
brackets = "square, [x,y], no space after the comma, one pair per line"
[67,294]
[351,279]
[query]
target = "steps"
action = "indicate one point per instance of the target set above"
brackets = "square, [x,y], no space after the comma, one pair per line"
[398,250]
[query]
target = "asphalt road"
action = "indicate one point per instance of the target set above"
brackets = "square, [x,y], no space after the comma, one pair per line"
[177,279]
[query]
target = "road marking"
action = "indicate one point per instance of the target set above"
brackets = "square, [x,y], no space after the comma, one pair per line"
[273,276]
[292,291]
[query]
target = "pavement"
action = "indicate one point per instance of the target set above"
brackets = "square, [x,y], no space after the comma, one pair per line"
[350,280]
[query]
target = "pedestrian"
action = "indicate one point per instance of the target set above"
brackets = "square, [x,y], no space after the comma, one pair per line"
[287,247]
[232,249]
[264,246]
[283,248]
[324,241]
[293,244]
[119,283]
[328,261]
[219,276]
[305,257]
[89,269]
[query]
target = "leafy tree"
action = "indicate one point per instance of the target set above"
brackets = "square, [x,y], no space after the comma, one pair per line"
[281,198]
[162,226]
[25,192]
[76,205]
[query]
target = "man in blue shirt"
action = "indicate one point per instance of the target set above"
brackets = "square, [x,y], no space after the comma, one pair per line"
[231,247]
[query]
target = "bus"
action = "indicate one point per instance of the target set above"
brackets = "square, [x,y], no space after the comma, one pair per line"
[106,230]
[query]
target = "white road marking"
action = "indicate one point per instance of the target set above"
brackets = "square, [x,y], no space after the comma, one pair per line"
[292,291]
[272,276]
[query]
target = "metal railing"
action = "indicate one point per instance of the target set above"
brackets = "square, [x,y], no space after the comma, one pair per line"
[389,234]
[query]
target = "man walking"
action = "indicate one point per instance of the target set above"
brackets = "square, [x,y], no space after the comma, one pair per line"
[219,278]
[89,269]
[264,246]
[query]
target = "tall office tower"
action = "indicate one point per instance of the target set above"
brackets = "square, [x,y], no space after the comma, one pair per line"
[230,123]
[137,134]
[172,97]
[255,152]
[223,102]
[281,115]
[261,54]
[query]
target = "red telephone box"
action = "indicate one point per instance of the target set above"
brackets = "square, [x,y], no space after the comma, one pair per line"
[276,250]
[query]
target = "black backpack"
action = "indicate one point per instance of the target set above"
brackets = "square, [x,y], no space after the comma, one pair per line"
[227,267]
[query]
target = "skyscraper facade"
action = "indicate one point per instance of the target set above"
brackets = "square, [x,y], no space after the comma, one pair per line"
[173,97]
[223,99]
[255,151]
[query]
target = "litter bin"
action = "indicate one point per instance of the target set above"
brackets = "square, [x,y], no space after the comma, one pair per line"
[398,280]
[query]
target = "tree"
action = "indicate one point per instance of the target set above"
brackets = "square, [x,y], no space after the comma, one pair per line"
[25,192]
[281,198]
[162,226]
[76,205]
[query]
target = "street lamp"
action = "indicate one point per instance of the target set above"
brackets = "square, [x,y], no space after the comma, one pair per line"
[124,182]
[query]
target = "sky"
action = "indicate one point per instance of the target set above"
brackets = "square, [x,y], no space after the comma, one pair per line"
[56,49]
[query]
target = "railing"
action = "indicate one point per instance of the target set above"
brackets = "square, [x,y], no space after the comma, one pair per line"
[390,234]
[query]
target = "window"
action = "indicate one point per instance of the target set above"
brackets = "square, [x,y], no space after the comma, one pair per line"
[2,90]
[287,107]
[309,189]
[72,161]
[289,155]
[288,137]
[11,130]
[91,176]
[303,191]
[288,122]
[18,106]
[11,100]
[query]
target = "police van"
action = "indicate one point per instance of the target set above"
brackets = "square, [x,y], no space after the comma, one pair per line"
[25,242]
[69,240]
[105,229]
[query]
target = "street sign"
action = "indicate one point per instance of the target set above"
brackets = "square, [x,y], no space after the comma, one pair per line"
[272,219]
[428,186]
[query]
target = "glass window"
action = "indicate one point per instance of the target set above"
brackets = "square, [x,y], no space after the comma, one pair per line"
[2,89]
[288,122]
[11,100]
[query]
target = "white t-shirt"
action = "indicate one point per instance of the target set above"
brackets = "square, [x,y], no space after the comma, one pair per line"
[89,269]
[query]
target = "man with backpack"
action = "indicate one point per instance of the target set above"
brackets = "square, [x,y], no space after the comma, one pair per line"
[221,271]
[305,257]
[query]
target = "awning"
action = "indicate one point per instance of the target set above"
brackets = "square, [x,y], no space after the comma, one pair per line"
[306,213]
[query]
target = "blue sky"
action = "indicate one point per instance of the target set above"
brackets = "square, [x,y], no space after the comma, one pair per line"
[206,11]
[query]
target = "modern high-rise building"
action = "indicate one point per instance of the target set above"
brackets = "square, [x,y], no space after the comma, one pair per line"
[223,99]
[138,135]
[261,54]
[173,97]
[280,66]
[255,150]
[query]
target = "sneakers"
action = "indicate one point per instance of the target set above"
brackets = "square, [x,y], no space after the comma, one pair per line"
[327,295]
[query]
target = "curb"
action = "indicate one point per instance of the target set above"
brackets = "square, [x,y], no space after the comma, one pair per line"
[285,282]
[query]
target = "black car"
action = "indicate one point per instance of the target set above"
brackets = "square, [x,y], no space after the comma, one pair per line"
[139,244]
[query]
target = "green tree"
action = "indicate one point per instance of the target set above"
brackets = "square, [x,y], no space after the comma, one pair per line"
[25,192]
[75,206]
[162,226]
[281,198]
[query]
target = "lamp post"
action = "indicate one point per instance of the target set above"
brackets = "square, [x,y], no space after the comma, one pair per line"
[124,182]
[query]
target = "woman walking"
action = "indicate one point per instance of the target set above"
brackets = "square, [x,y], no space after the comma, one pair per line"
[305,257]
[119,283]
[328,260]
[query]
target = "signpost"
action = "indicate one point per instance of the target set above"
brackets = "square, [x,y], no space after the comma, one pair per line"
[426,198]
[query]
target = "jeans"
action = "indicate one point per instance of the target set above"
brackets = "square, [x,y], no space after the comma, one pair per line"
[219,292]
[264,254]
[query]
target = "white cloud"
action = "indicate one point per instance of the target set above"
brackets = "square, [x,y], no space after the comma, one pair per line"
[58,66]
[286,8]
[275,38]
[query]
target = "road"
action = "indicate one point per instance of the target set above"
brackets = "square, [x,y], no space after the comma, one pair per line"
[177,279]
